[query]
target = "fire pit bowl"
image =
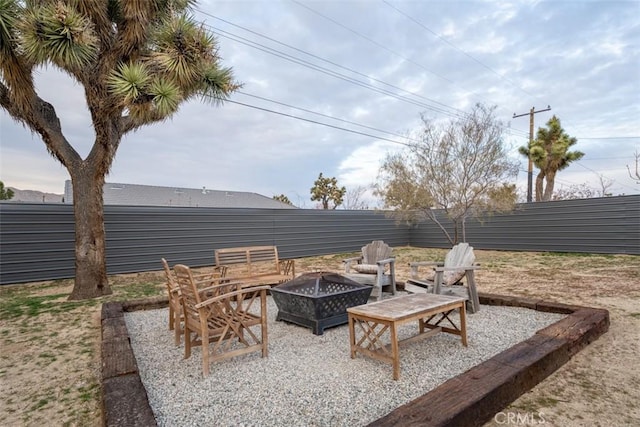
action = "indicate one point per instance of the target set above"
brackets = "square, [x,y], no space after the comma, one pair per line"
[318,300]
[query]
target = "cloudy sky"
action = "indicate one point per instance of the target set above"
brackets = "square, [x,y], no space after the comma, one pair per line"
[367,70]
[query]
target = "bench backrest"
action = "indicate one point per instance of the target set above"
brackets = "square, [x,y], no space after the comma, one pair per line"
[250,260]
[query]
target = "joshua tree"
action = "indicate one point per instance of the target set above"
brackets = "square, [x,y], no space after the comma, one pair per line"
[137,62]
[5,194]
[326,190]
[550,154]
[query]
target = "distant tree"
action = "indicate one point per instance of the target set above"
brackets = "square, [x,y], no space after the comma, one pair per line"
[353,199]
[636,174]
[327,192]
[137,61]
[584,191]
[579,191]
[5,194]
[282,198]
[550,154]
[460,167]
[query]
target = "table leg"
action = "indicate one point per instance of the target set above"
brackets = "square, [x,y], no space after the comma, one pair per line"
[352,336]
[463,324]
[395,353]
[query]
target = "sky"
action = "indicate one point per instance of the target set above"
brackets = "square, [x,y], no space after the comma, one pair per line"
[367,70]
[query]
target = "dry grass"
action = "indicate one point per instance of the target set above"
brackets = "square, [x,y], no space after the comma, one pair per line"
[50,367]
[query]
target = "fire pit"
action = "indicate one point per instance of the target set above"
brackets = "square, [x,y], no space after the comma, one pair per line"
[318,300]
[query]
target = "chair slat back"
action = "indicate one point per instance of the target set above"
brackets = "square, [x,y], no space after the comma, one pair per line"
[189,290]
[171,281]
[375,251]
[461,255]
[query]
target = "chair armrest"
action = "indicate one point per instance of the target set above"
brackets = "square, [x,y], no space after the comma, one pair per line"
[232,295]
[424,263]
[467,268]
[347,262]
[414,266]
[386,261]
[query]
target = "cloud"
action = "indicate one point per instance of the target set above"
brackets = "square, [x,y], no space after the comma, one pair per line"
[368,63]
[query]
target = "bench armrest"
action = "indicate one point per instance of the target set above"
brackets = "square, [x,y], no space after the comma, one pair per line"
[288,267]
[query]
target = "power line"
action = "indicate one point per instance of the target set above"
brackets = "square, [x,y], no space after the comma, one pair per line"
[327,116]
[369,39]
[610,137]
[331,62]
[329,72]
[234,37]
[313,121]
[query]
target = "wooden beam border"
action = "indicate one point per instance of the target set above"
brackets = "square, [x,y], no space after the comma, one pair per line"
[470,399]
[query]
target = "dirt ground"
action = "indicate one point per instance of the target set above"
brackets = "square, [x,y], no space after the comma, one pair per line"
[50,347]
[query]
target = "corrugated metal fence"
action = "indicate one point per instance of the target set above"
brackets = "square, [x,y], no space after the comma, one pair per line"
[37,240]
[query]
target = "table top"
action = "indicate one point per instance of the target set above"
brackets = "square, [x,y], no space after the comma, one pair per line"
[407,306]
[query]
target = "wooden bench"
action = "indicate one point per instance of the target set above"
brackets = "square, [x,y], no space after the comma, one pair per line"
[254,265]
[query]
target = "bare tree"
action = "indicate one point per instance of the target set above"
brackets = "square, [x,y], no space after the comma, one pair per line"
[580,191]
[605,186]
[354,198]
[636,174]
[460,168]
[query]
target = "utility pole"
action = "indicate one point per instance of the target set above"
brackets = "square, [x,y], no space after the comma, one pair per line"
[530,173]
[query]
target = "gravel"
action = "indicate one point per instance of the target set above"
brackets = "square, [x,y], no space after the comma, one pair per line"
[310,380]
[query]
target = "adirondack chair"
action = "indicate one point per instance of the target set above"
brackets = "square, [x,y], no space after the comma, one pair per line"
[447,278]
[371,267]
[234,321]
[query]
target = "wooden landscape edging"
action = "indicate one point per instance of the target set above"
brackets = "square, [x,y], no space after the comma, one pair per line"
[475,396]
[469,399]
[124,398]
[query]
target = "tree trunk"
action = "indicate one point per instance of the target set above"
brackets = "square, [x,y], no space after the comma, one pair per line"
[539,186]
[548,191]
[91,266]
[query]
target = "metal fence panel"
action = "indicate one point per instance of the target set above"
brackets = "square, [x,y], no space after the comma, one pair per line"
[601,225]
[37,240]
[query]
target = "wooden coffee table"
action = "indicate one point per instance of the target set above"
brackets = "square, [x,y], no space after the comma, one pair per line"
[368,324]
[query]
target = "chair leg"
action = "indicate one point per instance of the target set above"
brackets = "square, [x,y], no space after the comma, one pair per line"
[187,342]
[171,317]
[177,328]
[205,354]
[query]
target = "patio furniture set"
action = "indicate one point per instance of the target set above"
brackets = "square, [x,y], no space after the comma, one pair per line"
[226,308]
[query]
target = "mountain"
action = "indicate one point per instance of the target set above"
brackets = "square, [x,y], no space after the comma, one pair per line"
[33,196]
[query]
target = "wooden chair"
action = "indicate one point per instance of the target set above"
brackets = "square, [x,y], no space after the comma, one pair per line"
[371,267]
[446,277]
[175,303]
[175,300]
[232,318]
